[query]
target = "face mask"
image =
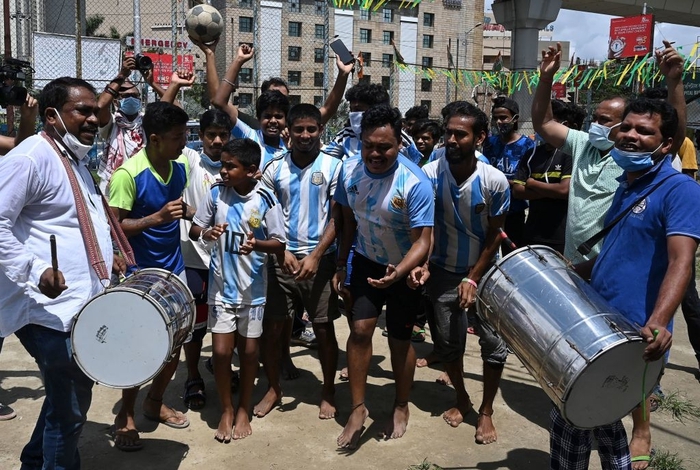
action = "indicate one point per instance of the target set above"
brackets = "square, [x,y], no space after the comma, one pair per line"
[209,161]
[78,148]
[633,161]
[355,122]
[598,136]
[130,105]
[505,128]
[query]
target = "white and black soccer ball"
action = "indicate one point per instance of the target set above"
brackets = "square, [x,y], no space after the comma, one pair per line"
[204,23]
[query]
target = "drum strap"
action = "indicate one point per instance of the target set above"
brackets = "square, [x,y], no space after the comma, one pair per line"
[586,247]
[86,228]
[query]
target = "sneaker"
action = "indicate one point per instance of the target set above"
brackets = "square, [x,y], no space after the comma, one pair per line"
[307,321]
[307,339]
[6,413]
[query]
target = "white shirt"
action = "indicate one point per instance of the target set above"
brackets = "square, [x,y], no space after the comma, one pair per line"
[202,177]
[36,201]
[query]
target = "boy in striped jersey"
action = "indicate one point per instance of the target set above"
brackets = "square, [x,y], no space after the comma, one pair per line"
[246,220]
[471,202]
[304,180]
[386,201]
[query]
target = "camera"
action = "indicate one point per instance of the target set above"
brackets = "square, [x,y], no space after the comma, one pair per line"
[12,71]
[143,63]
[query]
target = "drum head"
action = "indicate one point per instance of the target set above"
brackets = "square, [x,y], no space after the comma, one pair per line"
[120,339]
[610,386]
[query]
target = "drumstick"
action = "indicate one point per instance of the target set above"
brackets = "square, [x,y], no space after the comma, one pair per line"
[54,256]
[506,240]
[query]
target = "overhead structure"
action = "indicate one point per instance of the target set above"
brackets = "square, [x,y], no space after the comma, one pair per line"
[685,12]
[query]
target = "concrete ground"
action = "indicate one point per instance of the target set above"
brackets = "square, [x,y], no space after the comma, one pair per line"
[292,437]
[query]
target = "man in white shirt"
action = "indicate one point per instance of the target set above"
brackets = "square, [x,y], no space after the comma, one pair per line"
[39,302]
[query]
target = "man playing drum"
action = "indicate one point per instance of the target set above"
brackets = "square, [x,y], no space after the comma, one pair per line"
[471,202]
[44,184]
[146,195]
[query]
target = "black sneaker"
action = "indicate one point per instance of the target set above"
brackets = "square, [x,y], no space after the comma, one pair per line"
[6,413]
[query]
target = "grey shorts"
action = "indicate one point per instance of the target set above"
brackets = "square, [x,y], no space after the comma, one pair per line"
[450,322]
[287,297]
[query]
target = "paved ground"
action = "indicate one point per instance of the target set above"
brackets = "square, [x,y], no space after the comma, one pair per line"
[293,437]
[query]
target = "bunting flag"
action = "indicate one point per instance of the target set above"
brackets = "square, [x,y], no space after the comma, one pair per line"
[397,55]
[450,60]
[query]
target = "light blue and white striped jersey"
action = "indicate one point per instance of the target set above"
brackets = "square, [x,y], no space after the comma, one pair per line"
[235,278]
[386,207]
[267,152]
[462,212]
[440,152]
[347,144]
[305,195]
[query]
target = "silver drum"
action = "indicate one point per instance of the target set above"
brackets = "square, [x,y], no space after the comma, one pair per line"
[585,355]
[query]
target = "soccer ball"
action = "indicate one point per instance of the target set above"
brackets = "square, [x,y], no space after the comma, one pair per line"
[204,23]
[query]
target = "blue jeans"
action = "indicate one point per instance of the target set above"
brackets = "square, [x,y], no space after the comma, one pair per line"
[54,442]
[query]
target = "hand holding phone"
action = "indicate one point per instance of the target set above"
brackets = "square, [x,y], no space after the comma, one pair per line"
[341,51]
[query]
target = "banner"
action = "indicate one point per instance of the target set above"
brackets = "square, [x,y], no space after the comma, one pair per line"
[629,37]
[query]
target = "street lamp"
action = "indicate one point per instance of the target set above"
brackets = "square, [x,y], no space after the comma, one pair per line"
[465,51]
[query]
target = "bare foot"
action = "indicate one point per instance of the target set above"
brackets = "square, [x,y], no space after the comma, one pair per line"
[126,436]
[343,376]
[289,370]
[223,433]
[268,402]
[455,415]
[444,379]
[155,410]
[640,446]
[427,360]
[242,429]
[350,437]
[485,430]
[396,428]
[327,408]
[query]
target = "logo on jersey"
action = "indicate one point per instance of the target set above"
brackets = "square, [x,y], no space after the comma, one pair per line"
[254,219]
[398,203]
[640,207]
[557,167]
[479,208]
[317,178]
[353,189]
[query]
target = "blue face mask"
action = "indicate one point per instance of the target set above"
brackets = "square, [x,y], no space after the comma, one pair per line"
[209,161]
[598,136]
[633,161]
[130,105]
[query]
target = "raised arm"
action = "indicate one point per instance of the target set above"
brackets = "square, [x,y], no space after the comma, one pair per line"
[330,107]
[111,91]
[179,78]
[226,87]
[670,64]
[543,121]
[212,80]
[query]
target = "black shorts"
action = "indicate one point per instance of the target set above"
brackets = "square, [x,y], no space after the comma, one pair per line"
[403,304]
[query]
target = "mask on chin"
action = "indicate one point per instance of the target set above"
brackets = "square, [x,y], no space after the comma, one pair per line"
[356,122]
[205,158]
[633,161]
[78,148]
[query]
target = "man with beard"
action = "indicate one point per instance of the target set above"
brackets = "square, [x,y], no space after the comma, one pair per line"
[471,202]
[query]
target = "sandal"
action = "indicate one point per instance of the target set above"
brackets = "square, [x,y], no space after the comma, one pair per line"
[194,395]
[418,336]
[176,420]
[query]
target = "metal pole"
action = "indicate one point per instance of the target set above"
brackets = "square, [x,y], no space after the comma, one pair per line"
[256,44]
[457,69]
[447,85]
[173,32]
[78,41]
[8,53]
[137,27]
[326,55]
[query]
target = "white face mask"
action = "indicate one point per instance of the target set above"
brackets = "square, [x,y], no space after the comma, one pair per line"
[355,122]
[598,136]
[78,148]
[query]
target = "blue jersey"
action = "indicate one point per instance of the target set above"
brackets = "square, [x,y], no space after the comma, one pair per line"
[634,258]
[136,187]
[347,144]
[305,195]
[440,152]
[506,158]
[267,152]
[235,278]
[462,213]
[386,207]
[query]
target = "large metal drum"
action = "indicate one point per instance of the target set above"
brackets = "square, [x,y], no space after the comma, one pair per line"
[586,356]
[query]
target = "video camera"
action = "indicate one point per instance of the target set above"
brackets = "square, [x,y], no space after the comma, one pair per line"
[143,63]
[11,72]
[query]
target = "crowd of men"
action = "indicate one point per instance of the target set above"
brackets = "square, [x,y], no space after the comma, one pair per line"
[397,214]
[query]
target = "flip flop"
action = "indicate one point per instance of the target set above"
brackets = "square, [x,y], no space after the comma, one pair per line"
[418,336]
[642,458]
[175,414]
[129,434]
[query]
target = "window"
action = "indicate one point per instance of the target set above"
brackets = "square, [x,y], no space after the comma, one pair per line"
[387,59]
[245,100]
[245,3]
[429,19]
[320,7]
[387,37]
[365,36]
[386,82]
[320,31]
[245,75]
[294,53]
[426,85]
[426,103]
[318,101]
[365,79]
[294,78]
[318,55]
[318,78]
[295,29]
[245,24]
[294,100]
[427,62]
[387,15]
[294,6]
[367,58]
[365,15]
[428,41]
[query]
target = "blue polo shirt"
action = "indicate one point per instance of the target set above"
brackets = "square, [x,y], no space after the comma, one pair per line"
[633,260]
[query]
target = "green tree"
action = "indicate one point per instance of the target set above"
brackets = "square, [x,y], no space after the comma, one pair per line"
[92,24]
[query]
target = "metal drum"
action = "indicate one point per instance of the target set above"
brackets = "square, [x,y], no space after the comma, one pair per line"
[586,356]
[123,337]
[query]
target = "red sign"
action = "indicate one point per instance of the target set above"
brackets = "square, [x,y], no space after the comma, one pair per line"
[163,65]
[558,91]
[153,42]
[631,36]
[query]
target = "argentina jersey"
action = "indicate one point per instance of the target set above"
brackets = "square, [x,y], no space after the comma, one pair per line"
[386,207]
[305,196]
[347,144]
[462,212]
[234,278]
[267,152]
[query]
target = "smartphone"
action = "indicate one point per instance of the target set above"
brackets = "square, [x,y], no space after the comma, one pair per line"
[341,51]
